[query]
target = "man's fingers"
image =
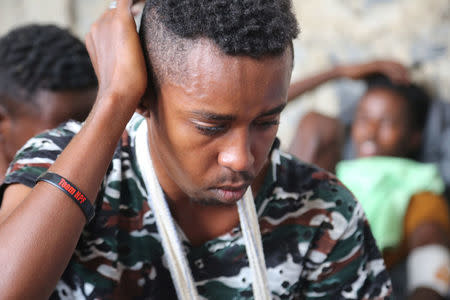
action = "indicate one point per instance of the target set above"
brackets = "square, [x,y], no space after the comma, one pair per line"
[137,8]
[92,53]
[399,74]
[124,6]
[396,72]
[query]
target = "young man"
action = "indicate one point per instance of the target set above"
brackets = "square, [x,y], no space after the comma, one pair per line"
[219,73]
[402,197]
[46,78]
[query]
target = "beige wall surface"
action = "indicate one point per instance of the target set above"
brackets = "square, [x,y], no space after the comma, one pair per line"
[77,15]
[414,32]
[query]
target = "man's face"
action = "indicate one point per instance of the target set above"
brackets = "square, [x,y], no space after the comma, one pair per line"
[211,134]
[381,126]
[47,111]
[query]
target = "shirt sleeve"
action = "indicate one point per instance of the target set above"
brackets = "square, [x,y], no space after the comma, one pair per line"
[426,207]
[37,155]
[345,262]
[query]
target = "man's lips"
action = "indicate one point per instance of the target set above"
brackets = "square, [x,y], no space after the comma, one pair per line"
[235,187]
[231,193]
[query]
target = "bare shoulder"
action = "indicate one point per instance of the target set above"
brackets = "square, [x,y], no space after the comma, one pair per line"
[12,197]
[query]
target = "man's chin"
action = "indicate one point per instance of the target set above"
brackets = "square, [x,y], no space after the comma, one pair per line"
[221,197]
[213,202]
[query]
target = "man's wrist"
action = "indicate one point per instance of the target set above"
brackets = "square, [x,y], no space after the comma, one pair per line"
[70,190]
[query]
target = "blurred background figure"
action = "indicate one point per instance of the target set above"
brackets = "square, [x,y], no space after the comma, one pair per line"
[328,137]
[402,197]
[46,78]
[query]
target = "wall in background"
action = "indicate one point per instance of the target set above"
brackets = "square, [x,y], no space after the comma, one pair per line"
[77,15]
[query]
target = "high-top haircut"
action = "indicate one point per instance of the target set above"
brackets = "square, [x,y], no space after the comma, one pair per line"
[254,28]
[42,57]
[417,99]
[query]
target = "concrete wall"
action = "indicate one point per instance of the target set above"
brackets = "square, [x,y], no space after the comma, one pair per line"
[74,14]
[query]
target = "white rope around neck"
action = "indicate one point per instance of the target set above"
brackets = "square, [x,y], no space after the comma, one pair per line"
[178,265]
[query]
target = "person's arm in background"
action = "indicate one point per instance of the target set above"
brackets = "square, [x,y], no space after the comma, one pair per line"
[39,227]
[324,138]
[427,229]
[394,70]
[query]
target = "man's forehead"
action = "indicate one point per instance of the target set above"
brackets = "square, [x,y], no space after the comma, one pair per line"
[225,86]
[206,60]
[207,49]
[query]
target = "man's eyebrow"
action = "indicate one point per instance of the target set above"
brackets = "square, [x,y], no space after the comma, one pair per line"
[273,111]
[212,116]
[223,117]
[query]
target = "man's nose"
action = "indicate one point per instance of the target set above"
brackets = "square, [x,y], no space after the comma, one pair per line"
[371,130]
[237,153]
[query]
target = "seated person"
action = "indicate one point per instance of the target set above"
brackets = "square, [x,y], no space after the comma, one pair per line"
[401,197]
[46,78]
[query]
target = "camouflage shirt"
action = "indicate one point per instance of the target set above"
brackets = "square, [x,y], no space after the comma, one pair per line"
[316,239]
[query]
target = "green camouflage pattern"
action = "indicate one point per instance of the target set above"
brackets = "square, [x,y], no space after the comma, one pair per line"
[316,239]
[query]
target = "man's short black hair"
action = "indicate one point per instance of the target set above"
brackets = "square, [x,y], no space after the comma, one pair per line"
[42,57]
[417,99]
[254,28]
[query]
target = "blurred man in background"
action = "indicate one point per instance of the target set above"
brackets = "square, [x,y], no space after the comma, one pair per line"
[46,78]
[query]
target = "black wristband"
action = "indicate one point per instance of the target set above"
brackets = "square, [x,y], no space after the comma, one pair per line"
[71,190]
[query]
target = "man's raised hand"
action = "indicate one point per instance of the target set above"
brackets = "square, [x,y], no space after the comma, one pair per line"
[116,54]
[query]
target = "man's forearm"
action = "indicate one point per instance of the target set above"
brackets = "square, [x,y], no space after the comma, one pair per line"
[395,71]
[300,87]
[40,230]
[86,159]
[425,293]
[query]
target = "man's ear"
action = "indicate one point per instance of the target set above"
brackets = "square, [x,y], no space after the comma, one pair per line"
[5,128]
[142,108]
[148,100]
[5,125]
[5,122]
[145,105]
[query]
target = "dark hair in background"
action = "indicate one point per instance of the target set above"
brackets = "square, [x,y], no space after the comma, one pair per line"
[254,28]
[42,57]
[417,99]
